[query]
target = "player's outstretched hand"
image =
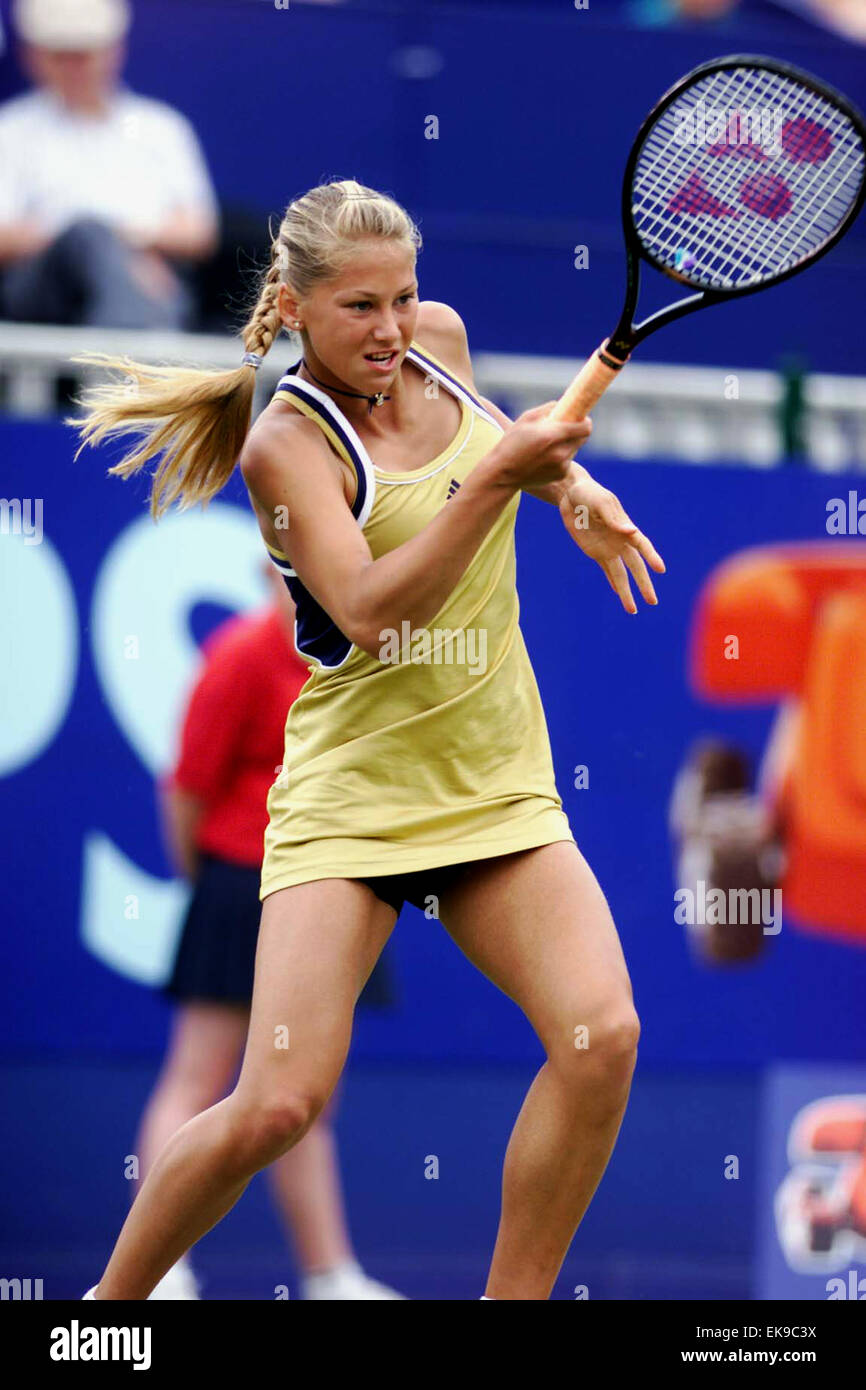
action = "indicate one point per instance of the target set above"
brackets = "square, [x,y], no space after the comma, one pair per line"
[596,521]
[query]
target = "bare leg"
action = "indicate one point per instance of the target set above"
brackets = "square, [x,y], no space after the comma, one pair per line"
[206,1044]
[537,924]
[306,1186]
[317,945]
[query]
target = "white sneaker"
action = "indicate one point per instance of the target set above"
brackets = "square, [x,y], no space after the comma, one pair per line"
[178,1283]
[347,1281]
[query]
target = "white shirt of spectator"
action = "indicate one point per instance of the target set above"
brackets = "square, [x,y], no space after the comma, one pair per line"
[134,166]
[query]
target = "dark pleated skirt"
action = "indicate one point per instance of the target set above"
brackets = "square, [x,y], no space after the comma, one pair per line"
[216,954]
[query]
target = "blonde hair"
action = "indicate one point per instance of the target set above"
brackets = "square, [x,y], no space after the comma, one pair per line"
[196,419]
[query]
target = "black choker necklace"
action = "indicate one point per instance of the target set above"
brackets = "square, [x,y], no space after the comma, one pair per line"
[376,399]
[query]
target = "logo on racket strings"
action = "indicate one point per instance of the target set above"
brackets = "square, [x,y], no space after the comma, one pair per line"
[798,140]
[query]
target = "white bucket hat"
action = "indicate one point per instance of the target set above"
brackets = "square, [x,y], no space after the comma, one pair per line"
[71,24]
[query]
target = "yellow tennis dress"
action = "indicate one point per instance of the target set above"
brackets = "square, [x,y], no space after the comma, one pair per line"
[437,753]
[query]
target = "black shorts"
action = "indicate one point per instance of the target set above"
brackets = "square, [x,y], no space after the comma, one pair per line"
[416,888]
[216,955]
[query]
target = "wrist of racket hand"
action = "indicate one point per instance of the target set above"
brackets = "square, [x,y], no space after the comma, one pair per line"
[556,493]
[576,474]
[503,472]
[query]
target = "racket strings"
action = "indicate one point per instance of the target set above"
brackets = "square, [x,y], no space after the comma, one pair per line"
[723,186]
[725,214]
[747,251]
[798,110]
[783,246]
[706,238]
[725,93]
[802,132]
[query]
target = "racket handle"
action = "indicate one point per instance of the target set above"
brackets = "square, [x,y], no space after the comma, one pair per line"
[588,386]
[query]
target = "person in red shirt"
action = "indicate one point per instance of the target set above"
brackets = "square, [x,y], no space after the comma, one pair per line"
[214,812]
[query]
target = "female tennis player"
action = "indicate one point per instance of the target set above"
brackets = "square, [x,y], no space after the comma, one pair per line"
[415,767]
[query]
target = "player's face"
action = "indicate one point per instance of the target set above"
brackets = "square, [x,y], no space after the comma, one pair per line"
[368,310]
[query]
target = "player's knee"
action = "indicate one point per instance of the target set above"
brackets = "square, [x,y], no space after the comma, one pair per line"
[612,1050]
[618,1034]
[274,1122]
[605,1047]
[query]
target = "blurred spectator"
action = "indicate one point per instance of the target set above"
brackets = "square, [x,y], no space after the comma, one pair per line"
[105,197]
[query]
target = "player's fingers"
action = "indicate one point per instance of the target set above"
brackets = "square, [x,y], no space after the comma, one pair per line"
[569,430]
[614,515]
[618,580]
[537,412]
[634,562]
[646,548]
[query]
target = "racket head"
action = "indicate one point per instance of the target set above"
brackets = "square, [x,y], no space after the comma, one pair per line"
[727,214]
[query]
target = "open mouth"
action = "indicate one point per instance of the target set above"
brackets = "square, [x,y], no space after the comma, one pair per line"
[382,360]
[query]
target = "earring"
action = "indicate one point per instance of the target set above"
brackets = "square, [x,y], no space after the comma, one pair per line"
[297,323]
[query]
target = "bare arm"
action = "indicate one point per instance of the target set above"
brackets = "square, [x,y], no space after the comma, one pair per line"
[287,464]
[181,814]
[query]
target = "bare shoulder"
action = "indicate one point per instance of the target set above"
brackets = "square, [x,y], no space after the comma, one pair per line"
[279,435]
[441,329]
[286,457]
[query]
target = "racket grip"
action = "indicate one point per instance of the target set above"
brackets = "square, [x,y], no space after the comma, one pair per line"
[588,386]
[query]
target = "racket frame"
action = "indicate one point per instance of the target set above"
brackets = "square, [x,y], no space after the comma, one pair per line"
[627,333]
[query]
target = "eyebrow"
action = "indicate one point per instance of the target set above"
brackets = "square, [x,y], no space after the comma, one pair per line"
[370,294]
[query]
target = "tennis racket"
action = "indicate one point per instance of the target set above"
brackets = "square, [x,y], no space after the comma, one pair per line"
[745,173]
